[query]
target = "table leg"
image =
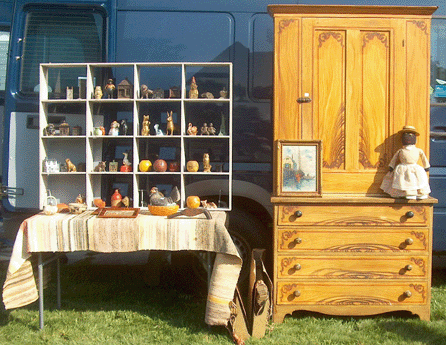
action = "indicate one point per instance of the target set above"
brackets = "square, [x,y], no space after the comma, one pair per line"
[40,269]
[59,299]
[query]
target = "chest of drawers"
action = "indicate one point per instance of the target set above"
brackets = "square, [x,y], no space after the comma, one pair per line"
[352,256]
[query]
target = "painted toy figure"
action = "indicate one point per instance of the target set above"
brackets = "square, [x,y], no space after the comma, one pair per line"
[170,125]
[406,178]
[193,93]
[110,88]
[114,128]
[98,92]
[145,126]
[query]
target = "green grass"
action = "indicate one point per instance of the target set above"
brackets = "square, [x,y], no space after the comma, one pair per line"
[112,305]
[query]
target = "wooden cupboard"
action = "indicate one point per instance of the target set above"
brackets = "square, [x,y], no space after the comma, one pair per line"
[352,77]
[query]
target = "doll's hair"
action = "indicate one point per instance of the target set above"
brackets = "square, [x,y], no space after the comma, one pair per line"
[409,138]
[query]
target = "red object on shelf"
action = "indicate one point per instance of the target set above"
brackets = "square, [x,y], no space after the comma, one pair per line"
[160,165]
[116,198]
[125,168]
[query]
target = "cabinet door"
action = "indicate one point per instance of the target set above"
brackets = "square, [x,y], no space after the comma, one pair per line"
[356,75]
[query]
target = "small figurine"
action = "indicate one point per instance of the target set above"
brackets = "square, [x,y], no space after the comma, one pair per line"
[204,129]
[70,166]
[125,89]
[114,128]
[170,126]
[193,92]
[123,128]
[69,92]
[223,93]
[113,166]
[125,201]
[98,92]
[100,167]
[206,163]
[211,129]
[126,161]
[192,130]
[207,95]
[64,128]
[145,92]
[158,93]
[158,131]
[80,199]
[110,88]
[145,126]
[222,126]
[406,178]
[49,130]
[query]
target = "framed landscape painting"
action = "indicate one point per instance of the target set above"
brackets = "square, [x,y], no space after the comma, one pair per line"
[299,167]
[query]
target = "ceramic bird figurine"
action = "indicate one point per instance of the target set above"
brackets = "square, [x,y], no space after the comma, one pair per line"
[125,201]
[192,130]
[157,198]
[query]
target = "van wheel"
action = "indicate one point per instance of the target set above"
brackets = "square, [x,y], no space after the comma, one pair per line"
[248,233]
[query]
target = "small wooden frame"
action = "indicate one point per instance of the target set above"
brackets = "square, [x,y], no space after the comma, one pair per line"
[299,168]
[121,212]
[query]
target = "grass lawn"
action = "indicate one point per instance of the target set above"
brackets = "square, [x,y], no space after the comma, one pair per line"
[112,305]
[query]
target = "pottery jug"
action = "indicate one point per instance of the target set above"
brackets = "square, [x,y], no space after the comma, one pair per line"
[116,198]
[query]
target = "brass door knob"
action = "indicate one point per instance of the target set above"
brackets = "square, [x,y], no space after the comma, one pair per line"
[296,293]
[408,241]
[407,294]
[297,267]
[408,267]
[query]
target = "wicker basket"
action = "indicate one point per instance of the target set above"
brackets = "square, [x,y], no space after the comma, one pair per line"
[163,210]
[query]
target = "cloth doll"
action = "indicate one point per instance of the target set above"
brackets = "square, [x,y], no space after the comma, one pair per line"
[407,179]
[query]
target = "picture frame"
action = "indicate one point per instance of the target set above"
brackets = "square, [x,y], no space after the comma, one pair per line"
[299,166]
[112,212]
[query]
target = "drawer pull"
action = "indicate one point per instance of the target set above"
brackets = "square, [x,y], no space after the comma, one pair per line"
[408,241]
[297,267]
[409,214]
[297,240]
[408,267]
[407,294]
[298,214]
[297,293]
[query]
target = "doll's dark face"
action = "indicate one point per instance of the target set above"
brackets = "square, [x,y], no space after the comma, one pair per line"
[409,139]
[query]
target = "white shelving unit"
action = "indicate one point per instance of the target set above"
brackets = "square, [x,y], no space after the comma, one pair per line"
[88,149]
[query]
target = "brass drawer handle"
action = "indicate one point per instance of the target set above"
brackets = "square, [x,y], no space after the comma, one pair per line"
[297,267]
[297,240]
[408,267]
[408,241]
[409,214]
[296,293]
[298,214]
[407,294]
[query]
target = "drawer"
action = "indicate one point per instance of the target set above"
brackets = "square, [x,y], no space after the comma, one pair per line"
[352,267]
[354,215]
[351,293]
[354,240]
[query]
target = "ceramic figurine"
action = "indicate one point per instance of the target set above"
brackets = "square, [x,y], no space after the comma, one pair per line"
[211,129]
[158,131]
[110,88]
[207,95]
[97,131]
[170,126]
[125,89]
[116,198]
[174,92]
[80,199]
[70,166]
[123,129]
[406,178]
[100,167]
[114,128]
[222,126]
[126,161]
[50,206]
[64,128]
[113,166]
[98,92]
[145,126]
[193,92]
[49,130]
[223,93]
[145,92]
[192,130]
[158,93]
[204,129]
[206,163]
[69,92]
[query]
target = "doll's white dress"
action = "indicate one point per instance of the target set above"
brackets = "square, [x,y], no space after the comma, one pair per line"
[408,178]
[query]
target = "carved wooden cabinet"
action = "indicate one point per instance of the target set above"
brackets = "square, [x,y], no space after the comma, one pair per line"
[352,77]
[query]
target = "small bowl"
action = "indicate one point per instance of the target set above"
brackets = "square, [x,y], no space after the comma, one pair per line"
[163,210]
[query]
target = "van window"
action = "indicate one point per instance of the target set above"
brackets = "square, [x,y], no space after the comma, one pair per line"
[438,60]
[4,44]
[59,36]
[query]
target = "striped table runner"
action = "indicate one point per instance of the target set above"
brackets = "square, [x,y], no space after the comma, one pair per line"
[69,233]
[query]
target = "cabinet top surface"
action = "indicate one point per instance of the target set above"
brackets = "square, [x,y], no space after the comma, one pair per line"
[350,9]
[349,199]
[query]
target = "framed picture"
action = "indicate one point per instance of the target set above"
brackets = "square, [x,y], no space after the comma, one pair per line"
[299,168]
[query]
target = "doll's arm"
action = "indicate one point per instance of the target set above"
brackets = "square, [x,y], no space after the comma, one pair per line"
[424,160]
[393,161]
